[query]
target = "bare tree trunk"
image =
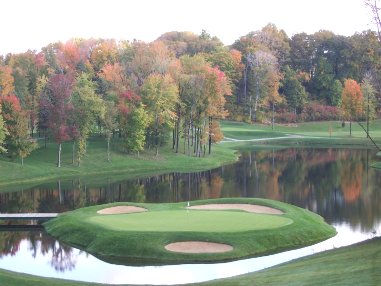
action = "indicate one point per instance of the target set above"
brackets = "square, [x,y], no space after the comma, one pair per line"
[257,95]
[108,149]
[73,152]
[245,82]
[350,128]
[210,134]
[376,16]
[272,121]
[59,155]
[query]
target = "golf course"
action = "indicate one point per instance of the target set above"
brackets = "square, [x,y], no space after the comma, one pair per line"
[143,236]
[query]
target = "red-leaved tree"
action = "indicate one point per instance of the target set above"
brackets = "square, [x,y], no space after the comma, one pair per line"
[58,109]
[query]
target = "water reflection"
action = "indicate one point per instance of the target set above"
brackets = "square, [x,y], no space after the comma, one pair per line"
[336,183]
[59,256]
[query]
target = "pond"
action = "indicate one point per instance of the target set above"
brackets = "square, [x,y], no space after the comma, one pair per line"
[335,183]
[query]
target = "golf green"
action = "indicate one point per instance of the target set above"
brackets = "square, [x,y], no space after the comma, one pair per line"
[140,233]
[190,220]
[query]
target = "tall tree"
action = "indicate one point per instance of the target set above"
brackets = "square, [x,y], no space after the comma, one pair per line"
[134,133]
[56,101]
[6,81]
[88,107]
[369,101]
[109,122]
[3,133]
[293,90]
[19,143]
[352,101]
[160,95]
[375,8]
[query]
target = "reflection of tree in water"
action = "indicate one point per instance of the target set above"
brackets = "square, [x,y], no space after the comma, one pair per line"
[9,243]
[62,258]
[61,255]
[351,181]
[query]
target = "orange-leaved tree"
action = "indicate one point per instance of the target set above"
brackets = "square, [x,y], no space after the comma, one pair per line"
[352,101]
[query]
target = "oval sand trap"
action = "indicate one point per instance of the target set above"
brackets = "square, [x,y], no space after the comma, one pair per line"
[122,210]
[243,207]
[198,247]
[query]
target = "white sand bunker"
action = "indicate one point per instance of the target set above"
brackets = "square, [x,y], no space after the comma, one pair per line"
[122,210]
[243,207]
[198,247]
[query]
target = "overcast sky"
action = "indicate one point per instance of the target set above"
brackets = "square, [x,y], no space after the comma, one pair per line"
[32,24]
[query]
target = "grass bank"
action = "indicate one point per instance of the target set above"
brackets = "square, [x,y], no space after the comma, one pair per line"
[143,243]
[353,265]
[40,166]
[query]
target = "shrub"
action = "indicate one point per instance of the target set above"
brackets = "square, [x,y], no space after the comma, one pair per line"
[315,111]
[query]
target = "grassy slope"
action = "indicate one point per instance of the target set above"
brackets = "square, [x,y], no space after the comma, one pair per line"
[40,165]
[140,246]
[354,265]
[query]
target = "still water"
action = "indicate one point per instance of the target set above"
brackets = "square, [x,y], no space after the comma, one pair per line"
[335,183]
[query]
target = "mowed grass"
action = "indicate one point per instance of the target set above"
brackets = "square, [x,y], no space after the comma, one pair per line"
[40,166]
[190,221]
[354,265]
[328,129]
[126,242]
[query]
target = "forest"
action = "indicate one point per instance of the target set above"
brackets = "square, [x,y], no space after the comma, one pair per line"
[175,89]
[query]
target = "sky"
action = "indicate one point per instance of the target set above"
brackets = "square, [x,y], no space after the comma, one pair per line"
[33,24]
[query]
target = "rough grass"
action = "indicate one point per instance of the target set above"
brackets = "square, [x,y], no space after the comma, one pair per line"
[146,245]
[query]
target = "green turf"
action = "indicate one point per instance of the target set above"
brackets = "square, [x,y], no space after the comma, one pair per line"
[190,220]
[118,239]
[40,166]
[354,265]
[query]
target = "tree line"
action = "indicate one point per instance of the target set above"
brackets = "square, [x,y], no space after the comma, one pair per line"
[179,86]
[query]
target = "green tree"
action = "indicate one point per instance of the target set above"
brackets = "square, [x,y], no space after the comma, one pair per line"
[19,143]
[293,90]
[3,133]
[109,122]
[160,95]
[134,133]
[88,107]
[334,97]
[369,101]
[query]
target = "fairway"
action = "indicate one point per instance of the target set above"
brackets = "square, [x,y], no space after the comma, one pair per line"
[190,220]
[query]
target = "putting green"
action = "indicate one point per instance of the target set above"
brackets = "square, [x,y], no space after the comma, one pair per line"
[190,220]
[143,238]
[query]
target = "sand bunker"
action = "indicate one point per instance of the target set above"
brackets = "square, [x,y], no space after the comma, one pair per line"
[198,247]
[122,210]
[243,207]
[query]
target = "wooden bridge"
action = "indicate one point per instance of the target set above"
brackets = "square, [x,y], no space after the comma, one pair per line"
[28,216]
